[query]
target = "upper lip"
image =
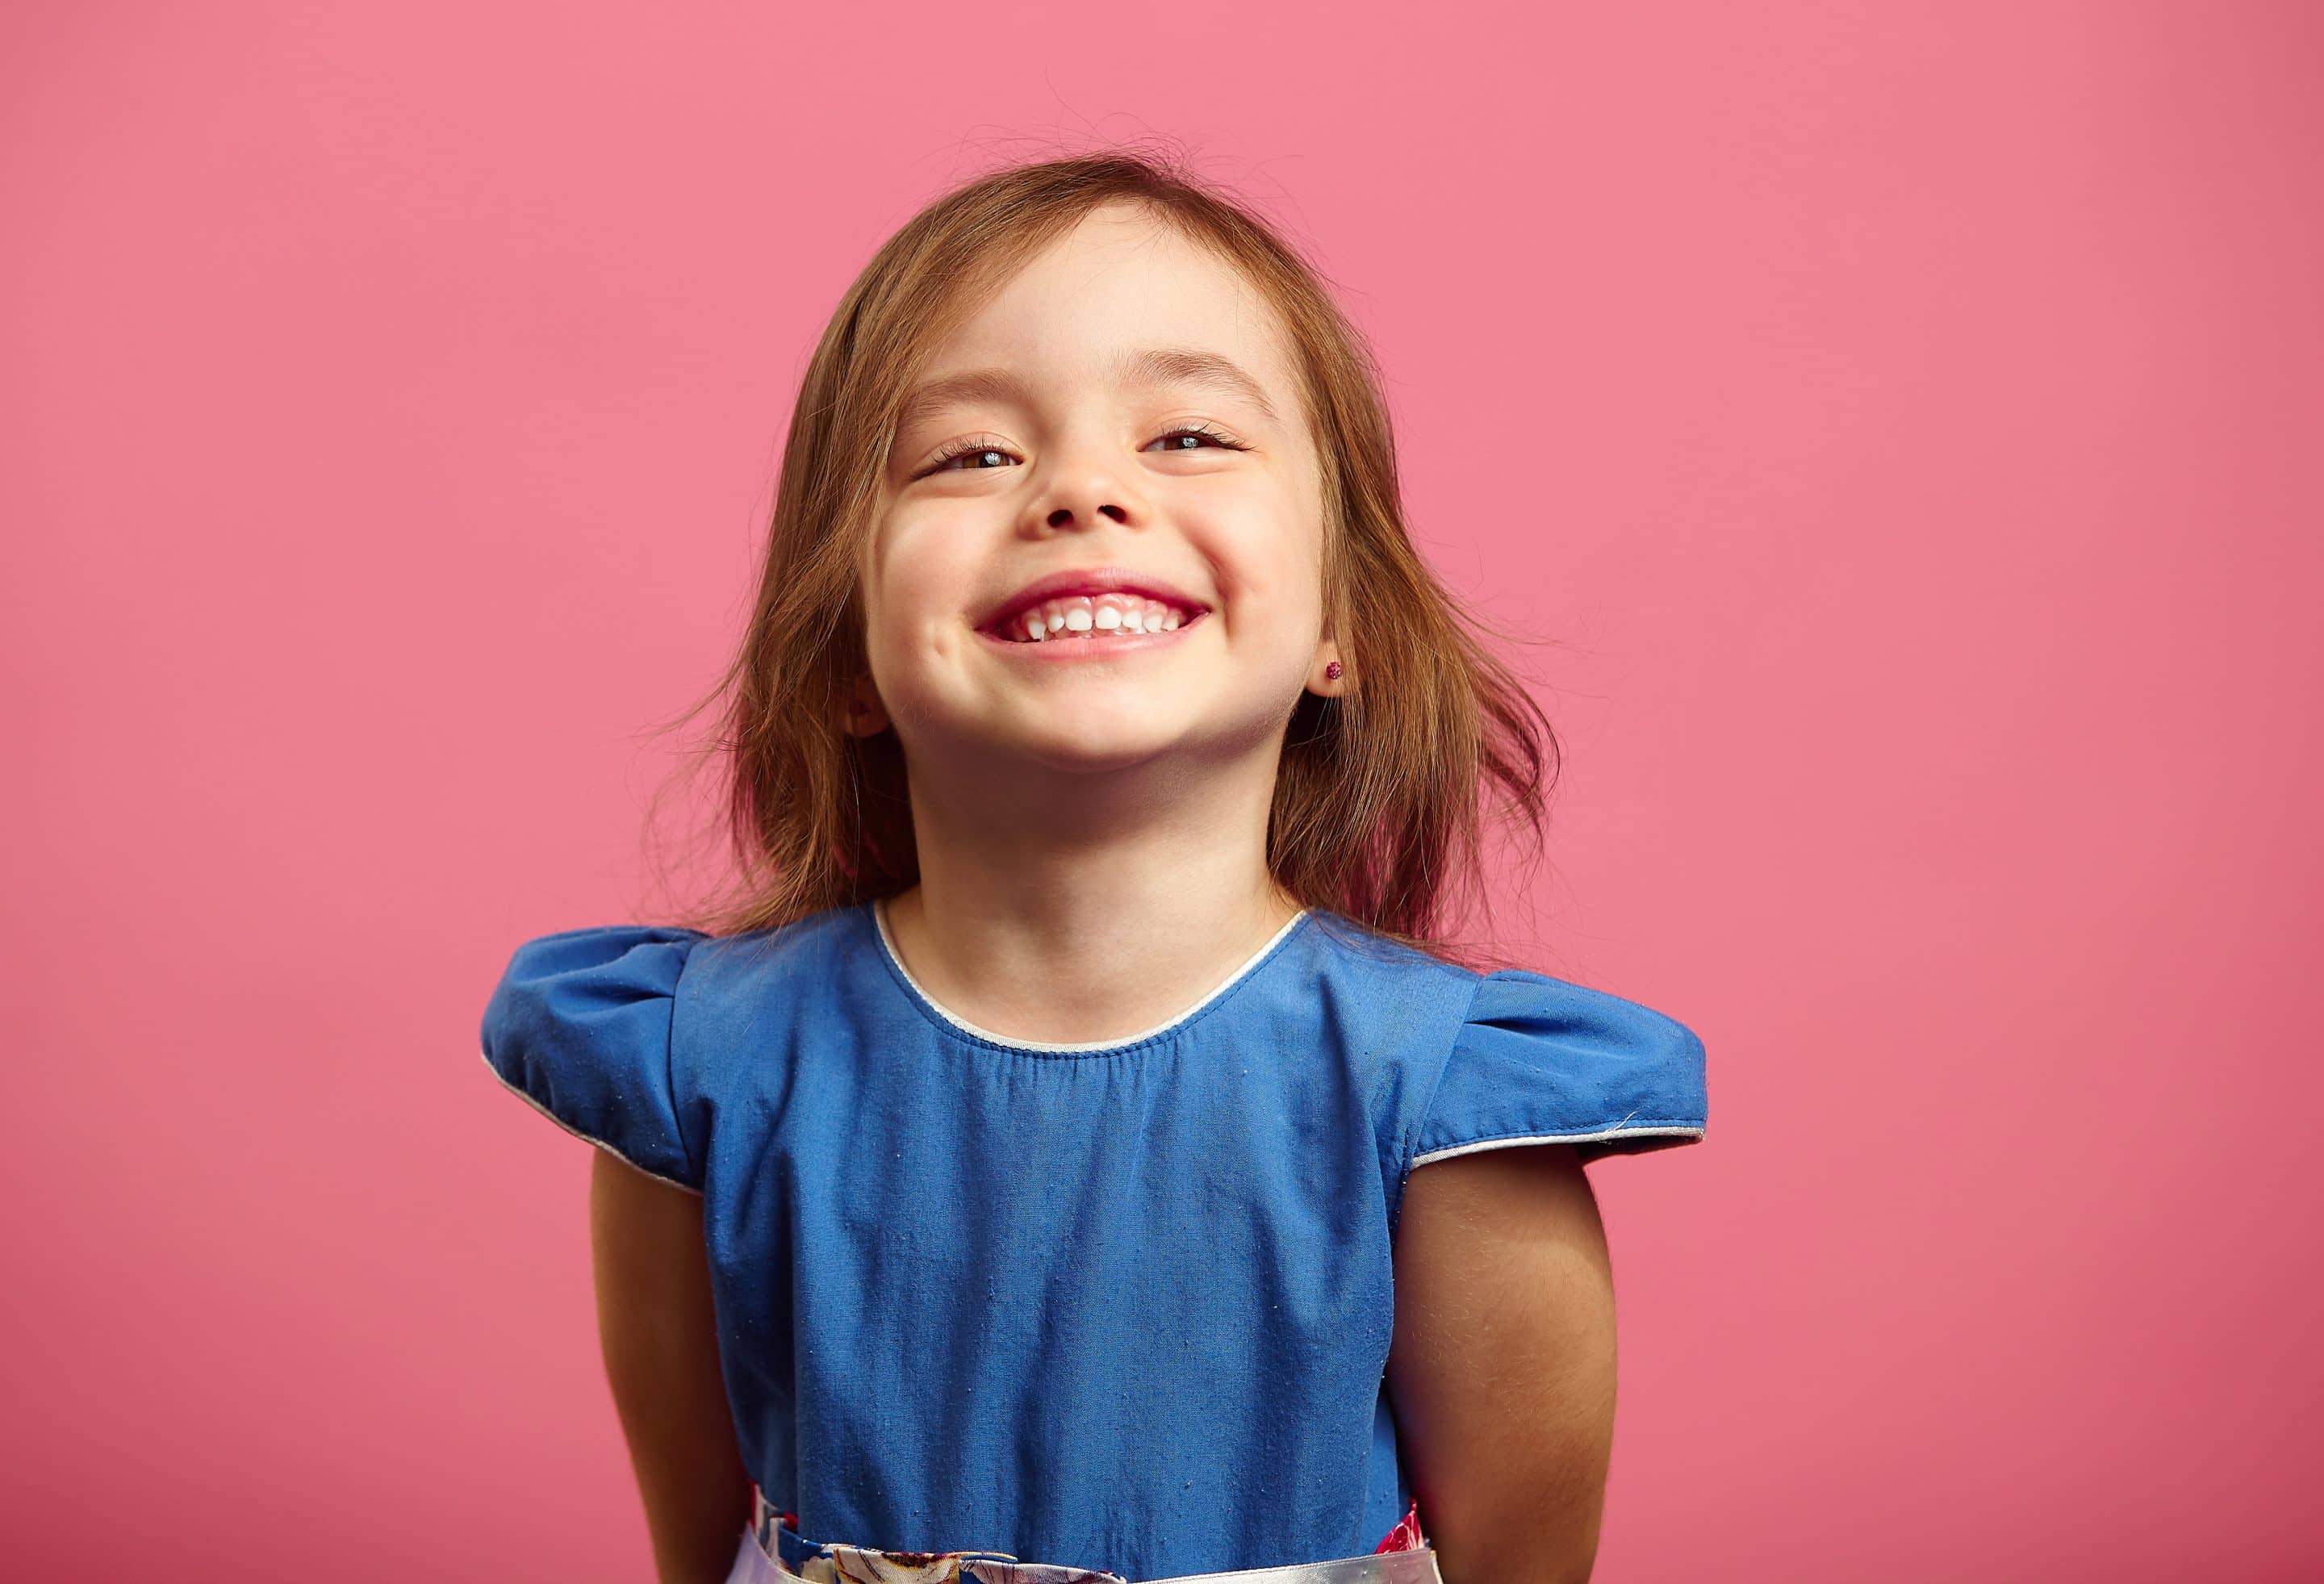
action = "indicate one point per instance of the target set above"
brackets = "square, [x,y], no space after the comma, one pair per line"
[1090,580]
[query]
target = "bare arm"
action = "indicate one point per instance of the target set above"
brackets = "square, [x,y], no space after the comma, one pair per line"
[661,1343]
[1501,1369]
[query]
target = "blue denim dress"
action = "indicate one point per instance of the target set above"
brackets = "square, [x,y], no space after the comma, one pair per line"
[1121,1306]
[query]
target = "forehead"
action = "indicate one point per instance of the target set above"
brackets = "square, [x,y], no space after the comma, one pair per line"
[1095,304]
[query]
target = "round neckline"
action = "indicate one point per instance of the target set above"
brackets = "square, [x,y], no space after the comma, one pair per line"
[952,1022]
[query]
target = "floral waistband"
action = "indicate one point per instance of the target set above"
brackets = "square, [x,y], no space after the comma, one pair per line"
[773,1552]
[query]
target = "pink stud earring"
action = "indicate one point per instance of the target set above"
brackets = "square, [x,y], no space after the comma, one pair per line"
[1332,670]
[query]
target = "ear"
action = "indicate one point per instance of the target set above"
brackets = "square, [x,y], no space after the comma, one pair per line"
[861,714]
[1330,675]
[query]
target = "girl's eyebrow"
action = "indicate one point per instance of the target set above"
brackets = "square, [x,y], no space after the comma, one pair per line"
[1153,366]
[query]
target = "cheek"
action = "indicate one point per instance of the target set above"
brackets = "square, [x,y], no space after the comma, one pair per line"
[923,592]
[1270,563]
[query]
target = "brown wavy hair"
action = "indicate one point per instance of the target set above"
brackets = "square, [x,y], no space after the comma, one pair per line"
[1380,798]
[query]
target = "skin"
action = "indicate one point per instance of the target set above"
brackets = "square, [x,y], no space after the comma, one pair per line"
[659,1336]
[1501,1371]
[1092,836]
[1092,840]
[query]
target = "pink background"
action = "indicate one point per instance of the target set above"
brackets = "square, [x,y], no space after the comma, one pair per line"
[1904,425]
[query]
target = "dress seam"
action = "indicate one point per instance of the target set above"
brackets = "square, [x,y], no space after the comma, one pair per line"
[1410,1141]
[1219,999]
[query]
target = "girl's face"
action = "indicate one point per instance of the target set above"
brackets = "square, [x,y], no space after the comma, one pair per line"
[1119,414]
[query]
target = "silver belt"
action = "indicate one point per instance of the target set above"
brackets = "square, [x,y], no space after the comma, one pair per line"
[850,1564]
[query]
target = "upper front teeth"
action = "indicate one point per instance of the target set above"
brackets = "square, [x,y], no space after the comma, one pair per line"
[1093,613]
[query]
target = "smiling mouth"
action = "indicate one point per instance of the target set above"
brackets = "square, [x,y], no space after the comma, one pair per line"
[1091,620]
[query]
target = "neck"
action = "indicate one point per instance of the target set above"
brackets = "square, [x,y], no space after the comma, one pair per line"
[1090,907]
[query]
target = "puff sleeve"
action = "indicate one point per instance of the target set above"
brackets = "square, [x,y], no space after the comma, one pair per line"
[1540,1061]
[579,1026]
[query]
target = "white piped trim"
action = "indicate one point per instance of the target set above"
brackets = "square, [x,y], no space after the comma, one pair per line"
[576,1132]
[888,945]
[1453,1150]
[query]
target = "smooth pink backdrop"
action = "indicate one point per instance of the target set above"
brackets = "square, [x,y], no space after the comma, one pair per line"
[1903,418]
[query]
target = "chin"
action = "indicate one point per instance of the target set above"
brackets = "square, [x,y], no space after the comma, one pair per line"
[1095,755]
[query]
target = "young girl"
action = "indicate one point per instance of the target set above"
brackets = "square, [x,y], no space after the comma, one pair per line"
[1077,1156]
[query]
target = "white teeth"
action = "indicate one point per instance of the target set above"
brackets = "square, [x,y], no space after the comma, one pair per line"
[1083,614]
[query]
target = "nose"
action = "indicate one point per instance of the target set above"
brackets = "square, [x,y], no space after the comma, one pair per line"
[1063,516]
[1088,489]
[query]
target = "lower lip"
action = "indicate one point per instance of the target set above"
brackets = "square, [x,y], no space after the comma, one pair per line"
[1061,649]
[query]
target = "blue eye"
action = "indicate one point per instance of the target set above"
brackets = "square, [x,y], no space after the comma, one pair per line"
[982,448]
[975,449]
[1200,431]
